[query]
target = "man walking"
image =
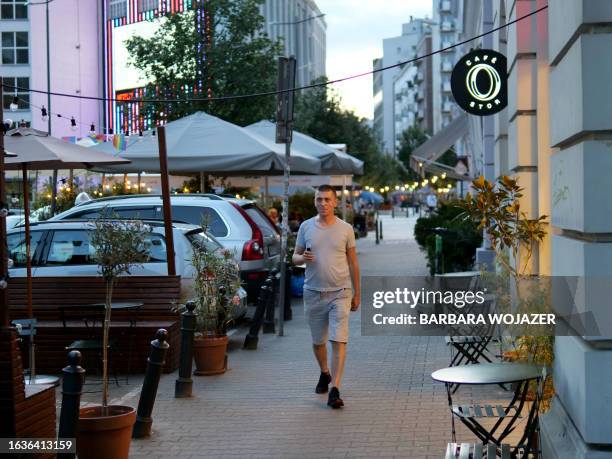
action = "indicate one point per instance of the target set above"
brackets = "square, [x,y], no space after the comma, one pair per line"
[331,287]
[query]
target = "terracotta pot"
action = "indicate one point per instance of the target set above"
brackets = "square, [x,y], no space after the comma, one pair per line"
[105,437]
[209,355]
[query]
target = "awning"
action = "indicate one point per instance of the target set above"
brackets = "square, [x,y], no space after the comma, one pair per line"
[439,143]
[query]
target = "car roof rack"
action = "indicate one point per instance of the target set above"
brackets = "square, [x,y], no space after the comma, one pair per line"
[210,196]
[149,221]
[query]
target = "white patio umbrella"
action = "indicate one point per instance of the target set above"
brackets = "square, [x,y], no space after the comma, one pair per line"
[37,150]
[333,162]
[202,142]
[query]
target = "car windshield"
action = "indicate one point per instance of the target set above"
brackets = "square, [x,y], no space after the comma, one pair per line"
[201,239]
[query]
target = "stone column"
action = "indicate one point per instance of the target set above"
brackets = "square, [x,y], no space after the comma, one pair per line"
[580,45]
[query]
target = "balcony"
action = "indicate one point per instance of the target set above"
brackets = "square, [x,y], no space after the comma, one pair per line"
[447,26]
[447,66]
[446,107]
[445,6]
[419,76]
[421,114]
[446,86]
[420,95]
[448,44]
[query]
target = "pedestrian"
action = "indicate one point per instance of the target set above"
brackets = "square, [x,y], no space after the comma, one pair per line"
[432,202]
[273,214]
[326,244]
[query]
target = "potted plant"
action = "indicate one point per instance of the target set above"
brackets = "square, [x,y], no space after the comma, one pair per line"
[216,283]
[496,209]
[105,431]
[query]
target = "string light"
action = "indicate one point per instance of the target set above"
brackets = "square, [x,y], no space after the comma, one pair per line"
[314,85]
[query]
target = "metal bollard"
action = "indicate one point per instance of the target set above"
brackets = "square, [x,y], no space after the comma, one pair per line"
[377,233]
[155,362]
[381,231]
[268,324]
[287,299]
[252,338]
[72,387]
[184,384]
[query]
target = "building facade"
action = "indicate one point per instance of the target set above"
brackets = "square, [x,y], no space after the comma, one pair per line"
[301,26]
[554,137]
[447,26]
[15,33]
[87,37]
[395,50]
[412,93]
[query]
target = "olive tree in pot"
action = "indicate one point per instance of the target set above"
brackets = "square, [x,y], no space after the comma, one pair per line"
[105,431]
[496,208]
[215,285]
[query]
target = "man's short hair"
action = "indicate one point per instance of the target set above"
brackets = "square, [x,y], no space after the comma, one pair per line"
[327,188]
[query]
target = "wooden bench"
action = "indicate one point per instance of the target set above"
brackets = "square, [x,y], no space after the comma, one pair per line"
[160,295]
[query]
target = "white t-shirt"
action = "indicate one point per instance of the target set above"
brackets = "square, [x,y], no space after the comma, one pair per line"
[329,244]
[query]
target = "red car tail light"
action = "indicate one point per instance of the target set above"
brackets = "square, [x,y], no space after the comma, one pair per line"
[254,248]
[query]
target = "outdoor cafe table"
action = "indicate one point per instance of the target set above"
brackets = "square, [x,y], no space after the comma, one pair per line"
[494,373]
[96,321]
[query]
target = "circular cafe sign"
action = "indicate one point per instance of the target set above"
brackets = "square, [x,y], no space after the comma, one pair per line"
[480,82]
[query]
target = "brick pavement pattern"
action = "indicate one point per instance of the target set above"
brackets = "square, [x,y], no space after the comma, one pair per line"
[265,405]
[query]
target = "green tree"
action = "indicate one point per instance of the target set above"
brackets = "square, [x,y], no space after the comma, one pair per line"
[232,56]
[411,139]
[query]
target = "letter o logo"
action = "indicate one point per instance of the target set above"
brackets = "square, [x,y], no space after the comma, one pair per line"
[494,82]
[479,82]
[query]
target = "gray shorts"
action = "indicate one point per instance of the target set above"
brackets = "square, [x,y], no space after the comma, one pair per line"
[328,311]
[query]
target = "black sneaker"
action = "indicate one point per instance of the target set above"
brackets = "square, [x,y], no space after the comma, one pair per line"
[334,399]
[324,381]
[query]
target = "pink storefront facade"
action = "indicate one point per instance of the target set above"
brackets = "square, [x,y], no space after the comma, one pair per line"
[74,66]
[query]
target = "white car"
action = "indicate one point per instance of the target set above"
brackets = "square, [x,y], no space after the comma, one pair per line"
[63,249]
[240,226]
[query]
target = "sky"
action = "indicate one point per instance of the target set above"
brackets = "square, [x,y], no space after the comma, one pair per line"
[355,31]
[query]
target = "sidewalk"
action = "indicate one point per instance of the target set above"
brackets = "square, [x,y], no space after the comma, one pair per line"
[265,405]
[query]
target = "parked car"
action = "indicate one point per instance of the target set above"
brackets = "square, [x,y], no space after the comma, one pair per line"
[14,218]
[63,249]
[239,225]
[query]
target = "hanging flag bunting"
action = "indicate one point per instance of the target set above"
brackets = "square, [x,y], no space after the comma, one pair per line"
[119,142]
[479,82]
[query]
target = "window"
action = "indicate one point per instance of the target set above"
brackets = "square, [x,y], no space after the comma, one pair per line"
[24,96]
[155,245]
[13,9]
[199,216]
[15,48]
[17,247]
[91,214]
[70,248]
[261,220]
[136,213]
[117,9]
[147,5]
[201,239]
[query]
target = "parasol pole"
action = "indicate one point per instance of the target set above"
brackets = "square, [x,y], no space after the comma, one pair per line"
[26,212]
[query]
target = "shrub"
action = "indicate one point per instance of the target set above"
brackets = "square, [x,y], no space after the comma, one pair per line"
[458,245]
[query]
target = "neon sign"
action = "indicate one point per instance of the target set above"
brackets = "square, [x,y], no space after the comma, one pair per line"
[479,82]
